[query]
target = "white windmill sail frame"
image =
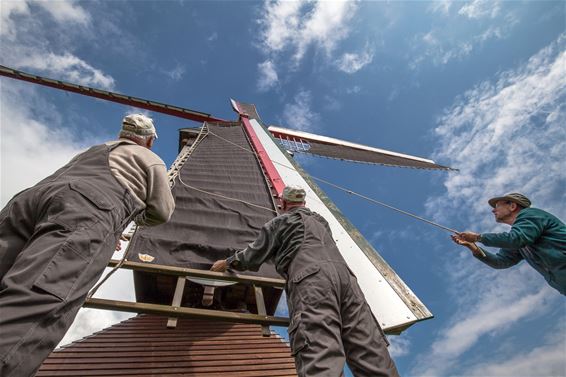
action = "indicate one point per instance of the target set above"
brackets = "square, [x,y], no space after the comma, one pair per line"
[324,146]
[331,140]
[391,301]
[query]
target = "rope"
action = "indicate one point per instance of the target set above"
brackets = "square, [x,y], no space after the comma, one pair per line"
[180,161]
[110,273]
[384,205]
[231,142]
[224,196]
[351,192]
[173,173]
[220,195]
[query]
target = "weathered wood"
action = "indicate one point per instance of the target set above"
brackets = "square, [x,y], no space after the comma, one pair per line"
[181,271]
[260,303]
[179,289]
[133,307]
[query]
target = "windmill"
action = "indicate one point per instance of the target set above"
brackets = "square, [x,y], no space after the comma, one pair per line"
[226,181]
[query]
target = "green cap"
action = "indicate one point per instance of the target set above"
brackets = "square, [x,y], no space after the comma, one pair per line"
[294,194]
[514,197]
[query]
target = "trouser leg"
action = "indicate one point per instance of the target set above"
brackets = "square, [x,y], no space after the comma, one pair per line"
[43,291]
[15,230]
[364,342]
[315,327]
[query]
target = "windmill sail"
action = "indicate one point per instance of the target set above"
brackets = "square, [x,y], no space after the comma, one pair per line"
[304,142]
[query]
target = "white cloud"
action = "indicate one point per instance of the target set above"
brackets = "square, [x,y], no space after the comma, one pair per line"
[480,9]
[442,6]
[64,11]
[25,43]
[430,39]
[176,73]
[494,32]
[25,140]
[460,37]
[281,21]
[89,321]
[67,67]
[354,90]
[504,136]
[13,11]
[297,25]
[351,62]
[398,346]
[442,49]
[546,360]
[298,114]
[267,76]
[331,103]
[119,286]
[488,135]
[212,37]
[9,10]
[493,303]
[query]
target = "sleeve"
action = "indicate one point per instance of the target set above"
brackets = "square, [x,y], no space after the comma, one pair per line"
[159,203]
[525,231]
[260,250]
[505,258]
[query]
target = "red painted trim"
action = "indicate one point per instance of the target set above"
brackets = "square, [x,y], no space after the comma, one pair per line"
[110,96]
[270,171]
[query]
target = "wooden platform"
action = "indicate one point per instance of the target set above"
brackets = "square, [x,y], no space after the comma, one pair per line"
[144,346]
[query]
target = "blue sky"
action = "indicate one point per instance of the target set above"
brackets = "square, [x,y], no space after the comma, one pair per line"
[476,85]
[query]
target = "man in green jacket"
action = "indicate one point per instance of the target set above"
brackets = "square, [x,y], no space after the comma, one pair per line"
[535,236]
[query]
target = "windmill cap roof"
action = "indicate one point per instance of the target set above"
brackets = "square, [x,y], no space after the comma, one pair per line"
[138,124]
[514,197]
[294,194]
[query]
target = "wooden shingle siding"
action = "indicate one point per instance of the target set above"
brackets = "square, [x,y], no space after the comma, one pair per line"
[144,346]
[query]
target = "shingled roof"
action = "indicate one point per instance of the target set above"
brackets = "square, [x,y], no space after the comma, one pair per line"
[144,346]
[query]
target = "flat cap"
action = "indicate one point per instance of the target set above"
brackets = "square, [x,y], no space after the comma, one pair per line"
[514,197]
[138,124]
[294,194]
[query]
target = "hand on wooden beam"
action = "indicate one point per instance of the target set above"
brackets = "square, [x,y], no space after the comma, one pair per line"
[219,266]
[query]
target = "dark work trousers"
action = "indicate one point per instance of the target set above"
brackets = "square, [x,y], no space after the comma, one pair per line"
[55,240]
[331,322]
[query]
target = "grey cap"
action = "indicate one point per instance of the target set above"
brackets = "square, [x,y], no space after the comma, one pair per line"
[514,197]
[138,124]
[294,194]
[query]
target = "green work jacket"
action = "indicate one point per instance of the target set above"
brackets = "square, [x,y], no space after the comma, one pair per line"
[537,237]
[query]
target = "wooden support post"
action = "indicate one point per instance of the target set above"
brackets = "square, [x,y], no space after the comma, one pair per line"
[167,310]
[260,303]
[177,297]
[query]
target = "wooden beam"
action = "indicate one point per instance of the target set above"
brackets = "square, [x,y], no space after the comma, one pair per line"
[181,271]
[260,303]
[179,289]
[175,311]
[141,103]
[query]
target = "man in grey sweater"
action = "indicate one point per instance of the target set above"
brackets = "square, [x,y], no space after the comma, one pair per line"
[57,237]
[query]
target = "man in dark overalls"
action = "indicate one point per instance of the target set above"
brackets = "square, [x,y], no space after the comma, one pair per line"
[331,321]
[57,237]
